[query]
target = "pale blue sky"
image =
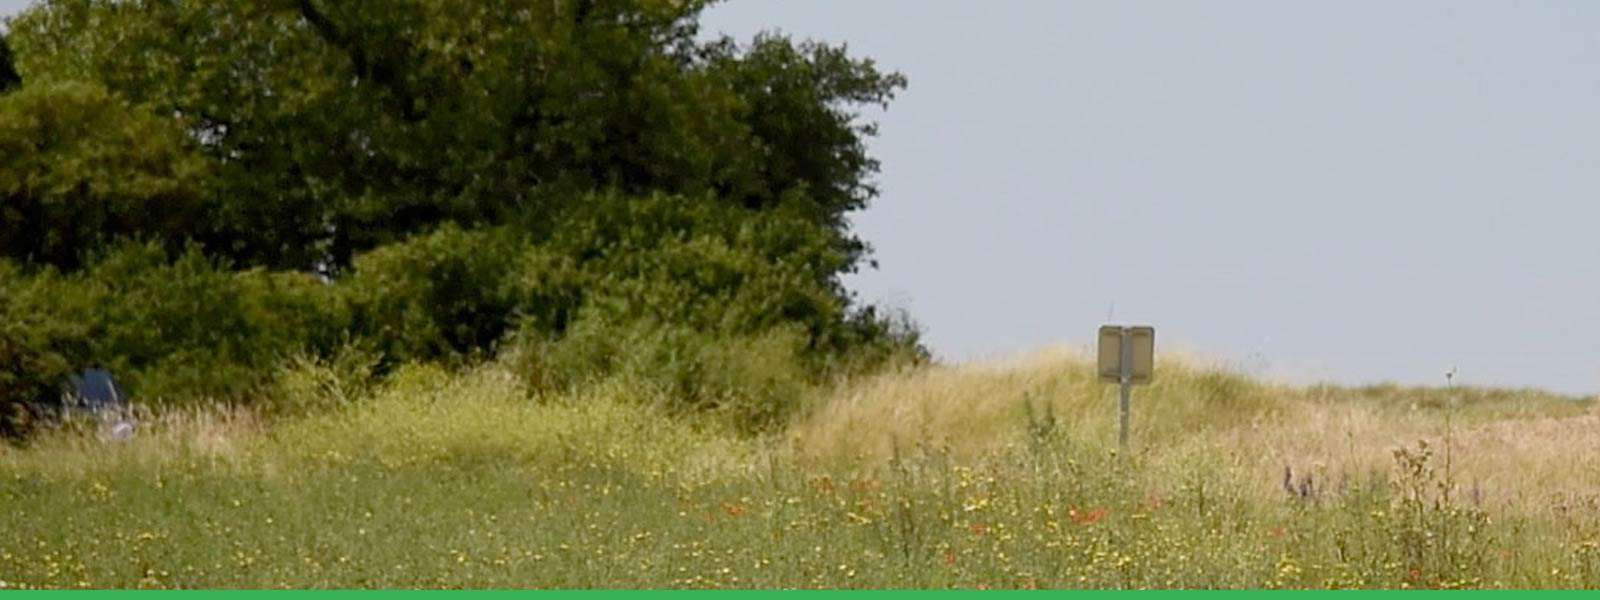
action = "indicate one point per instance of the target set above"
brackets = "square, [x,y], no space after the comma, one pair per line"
[1352,191]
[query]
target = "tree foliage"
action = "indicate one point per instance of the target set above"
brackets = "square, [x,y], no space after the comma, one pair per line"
[80,167]
[194,190]
[337,126]
[175,328]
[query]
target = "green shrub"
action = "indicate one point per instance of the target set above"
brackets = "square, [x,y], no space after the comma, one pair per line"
[714,309]
[454,292]
[173,330]
[34,347]
[751,381]
[308,383]
[291,311]
[703,264]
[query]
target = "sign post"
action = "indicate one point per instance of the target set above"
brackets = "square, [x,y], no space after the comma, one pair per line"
[1127,357]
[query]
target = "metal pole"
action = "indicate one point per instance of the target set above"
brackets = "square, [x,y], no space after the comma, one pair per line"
[1126,369]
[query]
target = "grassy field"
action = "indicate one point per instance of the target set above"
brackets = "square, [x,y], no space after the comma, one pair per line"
[1000,475]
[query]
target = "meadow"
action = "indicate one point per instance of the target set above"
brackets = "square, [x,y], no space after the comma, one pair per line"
[998,475]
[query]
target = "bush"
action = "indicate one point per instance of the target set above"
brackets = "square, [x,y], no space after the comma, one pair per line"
[290,312]
[308,383]
[751,382]
[454,292]
[715,309]
[174,330]
[33,356]
[702,264]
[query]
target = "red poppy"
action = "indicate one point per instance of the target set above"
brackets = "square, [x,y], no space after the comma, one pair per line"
[950,558]
[1276,532]
[978,529]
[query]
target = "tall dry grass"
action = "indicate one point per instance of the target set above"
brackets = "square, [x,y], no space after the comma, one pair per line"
[1510,444]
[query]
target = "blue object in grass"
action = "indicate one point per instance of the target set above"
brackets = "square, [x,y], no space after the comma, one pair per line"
[95,390]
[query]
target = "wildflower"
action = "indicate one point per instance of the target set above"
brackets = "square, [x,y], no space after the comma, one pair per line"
[983,586]
[950,558]
[1086,518]
[1031,584]
[1276,532]
[1415,573]
[979,529]
[734,509]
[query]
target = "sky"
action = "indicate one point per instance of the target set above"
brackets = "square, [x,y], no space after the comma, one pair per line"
[1352,192]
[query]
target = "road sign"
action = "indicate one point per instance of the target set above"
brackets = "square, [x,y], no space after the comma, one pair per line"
[1141,355]
[1127,356]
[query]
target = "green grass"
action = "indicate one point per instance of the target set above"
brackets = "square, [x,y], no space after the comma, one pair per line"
[441,480]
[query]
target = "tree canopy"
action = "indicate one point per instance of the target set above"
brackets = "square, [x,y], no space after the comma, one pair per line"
[333,127]
[80,167]
[192,190]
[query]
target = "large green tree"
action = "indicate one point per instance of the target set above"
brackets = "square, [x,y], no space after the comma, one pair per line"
[337,126]
[595,181]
